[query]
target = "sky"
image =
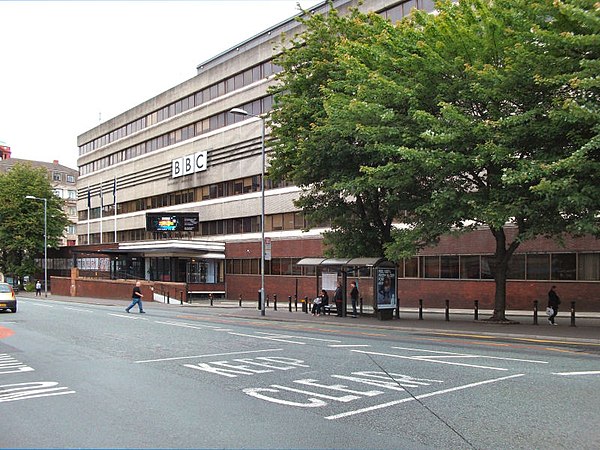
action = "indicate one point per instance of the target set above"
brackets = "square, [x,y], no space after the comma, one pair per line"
[67,66]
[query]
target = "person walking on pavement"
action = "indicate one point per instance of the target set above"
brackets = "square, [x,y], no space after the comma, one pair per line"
[553,302]
[354,297]
[136,297]
[38,288]
[338,299]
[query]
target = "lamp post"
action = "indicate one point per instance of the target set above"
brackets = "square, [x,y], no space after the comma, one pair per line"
[45,200]
[243,112]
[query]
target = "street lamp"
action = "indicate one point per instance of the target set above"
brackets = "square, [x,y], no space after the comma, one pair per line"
[45,200]
[243,112]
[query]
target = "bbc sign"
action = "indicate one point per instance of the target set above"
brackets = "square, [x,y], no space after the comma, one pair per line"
[189,164]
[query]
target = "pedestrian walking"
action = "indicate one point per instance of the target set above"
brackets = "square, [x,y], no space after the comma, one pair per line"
[338,299]
[136,298]
[553,302]
[38,288]
[354,297]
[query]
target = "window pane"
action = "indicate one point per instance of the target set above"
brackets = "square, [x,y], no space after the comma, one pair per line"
[487,267]
[469,267]
[432,266]
[564,266]
[538,267]
[449,266]
[516,267]
[589,266]
[411,267]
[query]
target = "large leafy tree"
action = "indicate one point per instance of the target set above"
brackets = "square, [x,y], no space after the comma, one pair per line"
[485,114]
[22,220]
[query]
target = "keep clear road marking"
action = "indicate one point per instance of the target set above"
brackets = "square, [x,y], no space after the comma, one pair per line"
[466,355]
[419,397]
[569,374]
[175,358]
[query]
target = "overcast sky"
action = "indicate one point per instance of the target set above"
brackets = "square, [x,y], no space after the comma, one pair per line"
[66,66]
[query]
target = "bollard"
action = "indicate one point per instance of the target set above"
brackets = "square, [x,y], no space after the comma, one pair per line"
[420,309]
[397,309]
[290,303]
[181,298]
[240,301]
[572,314]
[296,301]
[168,297]
[168,300]
[259,300]
[210,297]
[535,312]
[447,310]
[274,302]
[361,306]
[267,301]
[476,310]
[305,306]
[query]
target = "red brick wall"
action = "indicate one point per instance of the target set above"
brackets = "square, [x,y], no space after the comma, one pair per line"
[90,287]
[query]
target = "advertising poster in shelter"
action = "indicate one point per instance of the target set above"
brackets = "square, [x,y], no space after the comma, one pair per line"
[386,287]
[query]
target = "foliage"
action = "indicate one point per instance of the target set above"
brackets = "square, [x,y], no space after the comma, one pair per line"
[484,114]
[22,220]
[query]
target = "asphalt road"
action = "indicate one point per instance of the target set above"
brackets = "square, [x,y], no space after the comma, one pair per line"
[84,375]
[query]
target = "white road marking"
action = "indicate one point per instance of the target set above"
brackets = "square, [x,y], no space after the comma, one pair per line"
[127,316]
[267,338]
[78,309]
[288,336]
[419,397]
[189,325]
[175,358]
[465,355]
[568,374]
[39,304]
[348,345]
[424,359]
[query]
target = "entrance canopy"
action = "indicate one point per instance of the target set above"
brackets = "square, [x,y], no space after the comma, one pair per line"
[193,249]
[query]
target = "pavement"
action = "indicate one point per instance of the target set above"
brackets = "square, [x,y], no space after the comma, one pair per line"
[583,328]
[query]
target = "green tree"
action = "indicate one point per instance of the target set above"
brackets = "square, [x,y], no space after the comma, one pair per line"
[22,220]
[485,114]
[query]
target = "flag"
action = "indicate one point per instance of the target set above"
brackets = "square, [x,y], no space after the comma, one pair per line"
[101,197]
[89,198]
[115,190]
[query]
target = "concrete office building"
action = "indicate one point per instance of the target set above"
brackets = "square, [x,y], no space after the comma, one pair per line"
[170,190]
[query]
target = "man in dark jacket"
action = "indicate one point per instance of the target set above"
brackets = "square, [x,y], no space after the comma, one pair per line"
[553,302]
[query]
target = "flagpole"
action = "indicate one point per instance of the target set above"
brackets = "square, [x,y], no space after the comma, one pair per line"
[115,205]
[101,208]
[89,201]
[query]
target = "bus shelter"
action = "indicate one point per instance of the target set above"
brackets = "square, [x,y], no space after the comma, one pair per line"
[382,286]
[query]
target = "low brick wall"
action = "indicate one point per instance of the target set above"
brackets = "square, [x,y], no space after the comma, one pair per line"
[91,287]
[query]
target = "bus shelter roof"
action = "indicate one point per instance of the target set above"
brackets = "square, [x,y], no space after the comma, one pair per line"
[366,262]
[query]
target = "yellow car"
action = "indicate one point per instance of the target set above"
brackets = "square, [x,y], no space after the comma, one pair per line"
[7,297]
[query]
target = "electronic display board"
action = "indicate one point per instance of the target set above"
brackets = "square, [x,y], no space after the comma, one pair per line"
[172,221]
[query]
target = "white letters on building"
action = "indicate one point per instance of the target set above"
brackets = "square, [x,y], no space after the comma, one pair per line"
[189,164]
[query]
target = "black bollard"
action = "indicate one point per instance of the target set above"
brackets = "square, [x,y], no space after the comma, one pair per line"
[361,306]
[476,310]
[305,306]
[290,303]
[267,302]
[420,309]
[274,302]
[572,314]
[296,301]
[210,297]
[168,298]
[181,297]
[535,312]
[259,300]
[447,310]
[240,301]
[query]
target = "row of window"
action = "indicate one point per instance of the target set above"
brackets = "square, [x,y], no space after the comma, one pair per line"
[59,176]
[256,107]
[230,84]
[273,222]
[539,267]
[216,190]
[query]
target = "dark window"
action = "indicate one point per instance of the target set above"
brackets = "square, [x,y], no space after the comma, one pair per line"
[538,267]
[449,266]
[564,266]
[516,267]
[469,267]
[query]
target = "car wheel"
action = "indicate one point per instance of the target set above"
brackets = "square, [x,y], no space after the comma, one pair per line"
[14,310]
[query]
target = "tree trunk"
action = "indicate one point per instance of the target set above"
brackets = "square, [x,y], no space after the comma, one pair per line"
[501,258]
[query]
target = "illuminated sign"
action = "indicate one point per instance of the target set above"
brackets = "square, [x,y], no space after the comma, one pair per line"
[189,164]
[172,222]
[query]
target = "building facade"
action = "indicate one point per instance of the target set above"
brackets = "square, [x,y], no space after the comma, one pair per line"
[170,190]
